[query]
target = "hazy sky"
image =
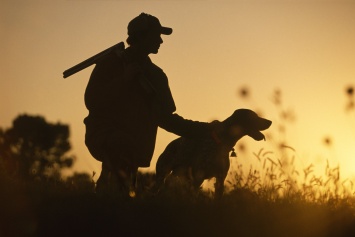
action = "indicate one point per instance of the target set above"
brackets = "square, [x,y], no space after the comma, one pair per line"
[303,48]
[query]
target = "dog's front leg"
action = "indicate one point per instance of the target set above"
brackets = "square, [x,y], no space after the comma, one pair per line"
[219,188]
[133,184]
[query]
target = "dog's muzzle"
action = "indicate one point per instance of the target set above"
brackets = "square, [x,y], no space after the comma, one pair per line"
[256,135]
[261,124]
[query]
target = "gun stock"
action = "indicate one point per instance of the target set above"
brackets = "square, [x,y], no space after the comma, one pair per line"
[93,60]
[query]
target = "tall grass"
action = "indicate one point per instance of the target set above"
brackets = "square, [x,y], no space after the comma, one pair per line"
[281,180]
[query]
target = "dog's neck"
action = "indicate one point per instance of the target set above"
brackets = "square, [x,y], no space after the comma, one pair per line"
[224,136]
[216,138]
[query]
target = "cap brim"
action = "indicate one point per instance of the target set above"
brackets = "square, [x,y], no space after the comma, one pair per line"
[166,30]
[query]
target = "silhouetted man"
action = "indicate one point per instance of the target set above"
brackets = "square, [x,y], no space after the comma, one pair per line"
[128,97]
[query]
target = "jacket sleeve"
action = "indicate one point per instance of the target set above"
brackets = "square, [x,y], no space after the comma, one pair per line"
[172,122]
[183,127]
[165,109]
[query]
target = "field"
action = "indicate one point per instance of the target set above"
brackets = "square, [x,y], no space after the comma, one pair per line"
[255,205]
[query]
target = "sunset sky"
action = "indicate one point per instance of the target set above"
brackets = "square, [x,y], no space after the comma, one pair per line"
[303,48]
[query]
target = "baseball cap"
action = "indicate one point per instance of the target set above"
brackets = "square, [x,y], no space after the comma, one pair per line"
[145,23]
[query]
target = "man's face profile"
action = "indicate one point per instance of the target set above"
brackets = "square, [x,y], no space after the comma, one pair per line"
[152,42]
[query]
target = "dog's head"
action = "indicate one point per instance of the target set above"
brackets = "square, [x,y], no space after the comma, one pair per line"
[247,122]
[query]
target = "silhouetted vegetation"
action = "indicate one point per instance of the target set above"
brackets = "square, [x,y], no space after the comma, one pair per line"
[33,148]
[69,208]
[33,153]
[351,98]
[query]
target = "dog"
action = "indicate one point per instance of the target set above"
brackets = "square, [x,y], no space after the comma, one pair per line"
[195,160]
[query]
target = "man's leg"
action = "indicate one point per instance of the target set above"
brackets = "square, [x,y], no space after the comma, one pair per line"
[118,175]
[108,183]
[118,178]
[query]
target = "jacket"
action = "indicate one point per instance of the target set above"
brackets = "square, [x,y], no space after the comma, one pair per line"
[128,97]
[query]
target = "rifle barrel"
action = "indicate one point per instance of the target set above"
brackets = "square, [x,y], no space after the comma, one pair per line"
[92,60]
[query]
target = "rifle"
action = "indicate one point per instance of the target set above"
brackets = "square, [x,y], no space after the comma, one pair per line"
[93,60]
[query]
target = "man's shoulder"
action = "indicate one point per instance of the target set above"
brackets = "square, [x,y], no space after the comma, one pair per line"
[112,59]
[156,69]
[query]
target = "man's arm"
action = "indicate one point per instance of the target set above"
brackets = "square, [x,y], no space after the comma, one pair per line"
[185,128]
[165,108]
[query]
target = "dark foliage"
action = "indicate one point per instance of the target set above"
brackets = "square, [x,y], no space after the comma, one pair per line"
[34,148]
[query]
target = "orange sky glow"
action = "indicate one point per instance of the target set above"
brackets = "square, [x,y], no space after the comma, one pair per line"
[304,49]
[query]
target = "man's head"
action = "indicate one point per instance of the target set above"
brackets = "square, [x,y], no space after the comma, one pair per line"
[144,31]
